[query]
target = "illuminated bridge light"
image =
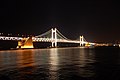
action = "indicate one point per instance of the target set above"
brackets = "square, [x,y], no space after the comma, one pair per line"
[56,36]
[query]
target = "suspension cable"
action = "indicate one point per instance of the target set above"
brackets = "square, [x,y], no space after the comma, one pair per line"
[62,35]
[44,34]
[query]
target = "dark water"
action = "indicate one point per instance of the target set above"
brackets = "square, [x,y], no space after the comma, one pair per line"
[60,64]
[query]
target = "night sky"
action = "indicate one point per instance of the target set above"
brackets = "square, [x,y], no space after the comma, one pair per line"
[96,20]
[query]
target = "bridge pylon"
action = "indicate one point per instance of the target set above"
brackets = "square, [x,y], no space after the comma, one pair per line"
[81,41]
[54,37]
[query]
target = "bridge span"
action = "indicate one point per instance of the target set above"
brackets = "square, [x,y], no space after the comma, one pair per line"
[53,36]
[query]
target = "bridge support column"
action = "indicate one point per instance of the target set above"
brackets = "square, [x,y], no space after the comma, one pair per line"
[54,38]
[81,40]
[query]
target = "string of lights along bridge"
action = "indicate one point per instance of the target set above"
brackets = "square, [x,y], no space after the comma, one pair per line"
[53,35]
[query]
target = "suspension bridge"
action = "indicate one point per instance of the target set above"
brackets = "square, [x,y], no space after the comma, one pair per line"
[53,36]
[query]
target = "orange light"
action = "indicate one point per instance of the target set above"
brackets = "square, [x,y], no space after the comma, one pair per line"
[27,47]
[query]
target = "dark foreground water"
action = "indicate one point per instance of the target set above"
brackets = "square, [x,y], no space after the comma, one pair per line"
[60,64]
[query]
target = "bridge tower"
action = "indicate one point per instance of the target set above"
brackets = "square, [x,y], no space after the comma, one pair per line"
[81,40]
[54,37]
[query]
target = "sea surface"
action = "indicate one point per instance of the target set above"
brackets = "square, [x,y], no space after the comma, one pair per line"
[74,63]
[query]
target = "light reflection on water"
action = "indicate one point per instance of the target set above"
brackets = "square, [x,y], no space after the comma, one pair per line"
[86,57]
[25,58]
[54,63]
[49,64]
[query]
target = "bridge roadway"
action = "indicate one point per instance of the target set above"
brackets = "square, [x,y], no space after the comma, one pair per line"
[34,39]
